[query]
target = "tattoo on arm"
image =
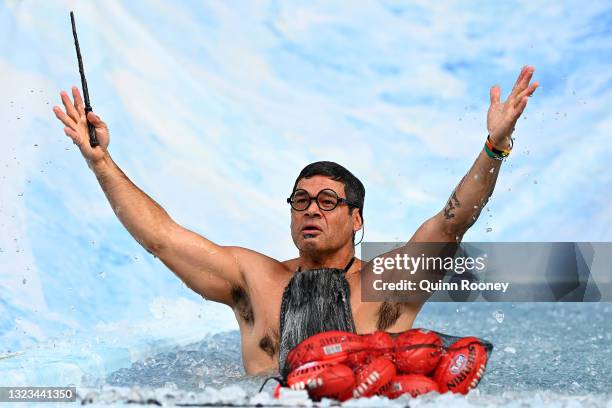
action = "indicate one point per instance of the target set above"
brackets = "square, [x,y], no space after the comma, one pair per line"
[453,202]
[451,205]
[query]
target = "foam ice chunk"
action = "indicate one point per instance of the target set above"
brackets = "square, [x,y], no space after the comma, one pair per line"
[288,398]
[373,402]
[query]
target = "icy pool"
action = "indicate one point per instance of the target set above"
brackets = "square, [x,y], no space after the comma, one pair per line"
[555,354]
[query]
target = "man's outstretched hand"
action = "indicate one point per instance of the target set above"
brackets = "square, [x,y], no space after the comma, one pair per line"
[76,126]
[502,116]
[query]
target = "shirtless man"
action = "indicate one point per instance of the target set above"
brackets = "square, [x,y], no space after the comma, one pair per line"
[251,283]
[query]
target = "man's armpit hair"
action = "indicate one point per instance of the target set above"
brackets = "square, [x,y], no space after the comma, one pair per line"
[242,304]
[388,314]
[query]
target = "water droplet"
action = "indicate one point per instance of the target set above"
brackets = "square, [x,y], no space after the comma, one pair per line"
[498,315]
[475,207]
[489,229]
[102,274]
[476,177]
[492,170]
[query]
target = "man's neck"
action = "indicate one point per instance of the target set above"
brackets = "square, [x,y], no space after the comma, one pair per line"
[337,259]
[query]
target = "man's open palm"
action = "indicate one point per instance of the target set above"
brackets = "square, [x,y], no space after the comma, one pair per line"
[76,126]
[502,116]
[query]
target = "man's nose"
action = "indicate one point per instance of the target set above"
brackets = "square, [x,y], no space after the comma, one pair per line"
[313,208]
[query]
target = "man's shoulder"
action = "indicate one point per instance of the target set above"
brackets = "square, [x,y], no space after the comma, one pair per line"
[253,262]
[292,264]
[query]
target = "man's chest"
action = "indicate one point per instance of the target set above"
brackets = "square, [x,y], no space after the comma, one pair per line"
[263,311]
[258,311]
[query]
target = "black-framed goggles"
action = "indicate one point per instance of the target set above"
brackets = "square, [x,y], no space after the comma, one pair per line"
[327,199]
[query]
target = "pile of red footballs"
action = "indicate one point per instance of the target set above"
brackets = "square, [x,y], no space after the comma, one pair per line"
[341,365]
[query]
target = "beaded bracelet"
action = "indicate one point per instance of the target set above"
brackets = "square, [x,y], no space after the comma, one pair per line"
[495,153]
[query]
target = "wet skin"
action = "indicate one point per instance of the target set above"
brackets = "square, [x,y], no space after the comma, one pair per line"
[252,283]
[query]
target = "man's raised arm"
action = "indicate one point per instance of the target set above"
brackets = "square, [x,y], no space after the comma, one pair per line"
[473,191]
[209,269]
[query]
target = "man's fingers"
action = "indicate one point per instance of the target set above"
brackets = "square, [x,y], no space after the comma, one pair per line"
[527,92]
[518,80]
[527,78]
[70,109]
[520,107]
[73,135]
[522,82]
[65,119]
[96,121]
[532,88]
[494,93]
[78,101]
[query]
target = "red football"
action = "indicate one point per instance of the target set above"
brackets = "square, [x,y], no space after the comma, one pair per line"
[413,384]
[298,378]
[379,343]
[323,380]
[357,359]
[373,376]
[417,351]
[327,346]
[462,366]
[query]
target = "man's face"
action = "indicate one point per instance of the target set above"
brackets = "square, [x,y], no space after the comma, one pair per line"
[315,230]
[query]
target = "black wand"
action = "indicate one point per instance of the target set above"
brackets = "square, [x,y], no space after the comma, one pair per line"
[93,140]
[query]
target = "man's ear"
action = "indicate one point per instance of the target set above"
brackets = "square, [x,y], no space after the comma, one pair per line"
[357,220]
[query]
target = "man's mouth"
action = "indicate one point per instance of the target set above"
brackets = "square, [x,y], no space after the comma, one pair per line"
[310,232]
